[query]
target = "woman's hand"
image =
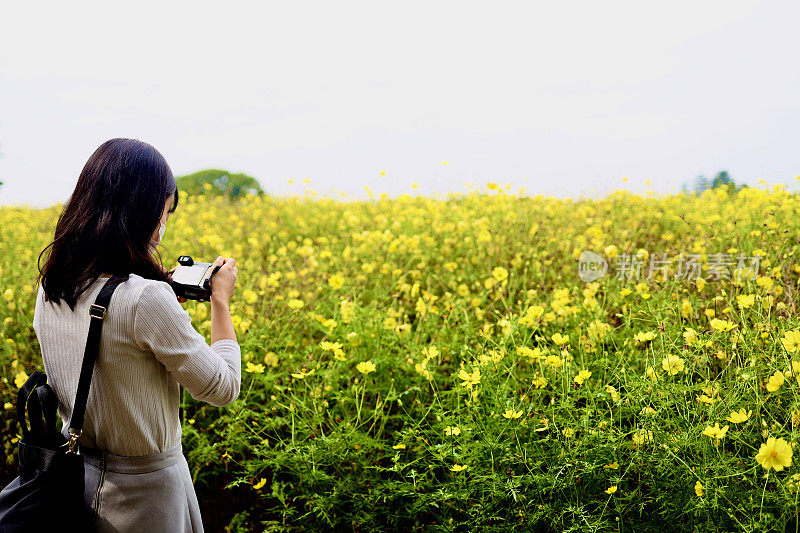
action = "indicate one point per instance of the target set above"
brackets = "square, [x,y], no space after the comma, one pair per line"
[223,284]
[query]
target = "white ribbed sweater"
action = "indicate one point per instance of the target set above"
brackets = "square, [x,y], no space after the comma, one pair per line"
[148,347]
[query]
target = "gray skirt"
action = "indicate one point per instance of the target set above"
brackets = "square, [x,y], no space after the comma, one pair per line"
[152,493]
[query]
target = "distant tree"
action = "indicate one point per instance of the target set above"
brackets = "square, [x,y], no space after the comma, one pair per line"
[219,182]
[722,179]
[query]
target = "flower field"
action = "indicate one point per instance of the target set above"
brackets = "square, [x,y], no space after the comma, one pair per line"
[420,364]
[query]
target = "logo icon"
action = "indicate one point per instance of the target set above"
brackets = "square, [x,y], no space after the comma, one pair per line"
[591,266]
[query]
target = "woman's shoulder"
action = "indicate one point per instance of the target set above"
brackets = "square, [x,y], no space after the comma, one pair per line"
[151,291]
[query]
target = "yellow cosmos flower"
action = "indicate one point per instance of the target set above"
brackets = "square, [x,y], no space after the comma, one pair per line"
[642,436]
[540,382]
[400,446]
[698,489]
[716,432]
[260,483]
[722,325]
[775,381]
[644,336]
[458,468]
[775,453]
[452,430]
[250,296]
[613,392]
[499,273]
[611,490]
[366,367]
[737,417]
[254,369]
[690,336]
[672,364]
[469,378]
[336,281]
[294,303]
[554,361]
[746,300]
[304,372]
[20,379]
[582,376]
[686,308]
[510,413]
[560,339]
[791,341]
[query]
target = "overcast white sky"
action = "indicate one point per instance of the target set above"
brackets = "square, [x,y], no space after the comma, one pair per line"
[562,98]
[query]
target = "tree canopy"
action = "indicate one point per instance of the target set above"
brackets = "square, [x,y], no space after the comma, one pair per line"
[219,182]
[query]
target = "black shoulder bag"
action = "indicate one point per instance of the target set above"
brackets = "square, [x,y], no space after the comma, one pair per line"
[48,493]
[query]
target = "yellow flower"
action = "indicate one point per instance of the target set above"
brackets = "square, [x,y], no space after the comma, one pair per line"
[775,453]
[560,339]
[8,295]
[294,303]
[458,468]
[672,364]
[641,436]
[255,369]
[328,345]
[737,417]
[775,381]
[540,382]
[791,341]
[701,283]
[303,373]
[613,392]
[746,300]
[452,430]
[20,379]
[510,413]
[366,367]
[554,361]
[336,281]
[698,488]
[582,376]
[715,432]
[611,490]
[722,325]
[690,336]
[250,296]
[260,483]
[611,466]
[400,446]
[644,336]
[469,378]
[499,273]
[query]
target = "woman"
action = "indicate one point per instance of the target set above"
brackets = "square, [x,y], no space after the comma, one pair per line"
[137,478]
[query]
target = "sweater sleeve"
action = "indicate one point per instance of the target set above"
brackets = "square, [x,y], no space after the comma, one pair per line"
[211,374]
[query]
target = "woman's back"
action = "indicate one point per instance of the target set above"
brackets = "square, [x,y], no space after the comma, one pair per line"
[147,347]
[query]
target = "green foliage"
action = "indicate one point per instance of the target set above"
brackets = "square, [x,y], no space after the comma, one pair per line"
[219,182]
[488,282]
[722,180]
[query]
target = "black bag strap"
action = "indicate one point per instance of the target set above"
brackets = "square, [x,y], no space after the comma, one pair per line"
[97,311]
[24,394]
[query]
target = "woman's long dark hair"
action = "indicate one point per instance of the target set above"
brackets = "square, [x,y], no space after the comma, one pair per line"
[109,220]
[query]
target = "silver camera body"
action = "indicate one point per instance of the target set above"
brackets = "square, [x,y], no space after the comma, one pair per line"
[192,279]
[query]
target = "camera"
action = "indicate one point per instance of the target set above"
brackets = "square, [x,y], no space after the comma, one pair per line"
[192,279]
